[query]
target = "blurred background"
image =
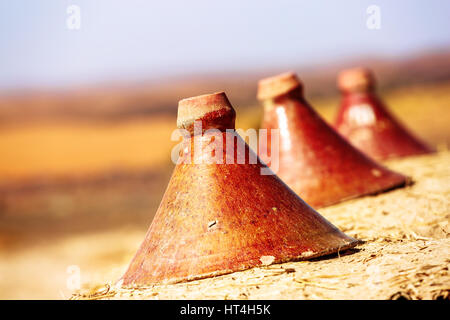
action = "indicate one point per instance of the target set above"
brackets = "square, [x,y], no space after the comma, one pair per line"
[88,102]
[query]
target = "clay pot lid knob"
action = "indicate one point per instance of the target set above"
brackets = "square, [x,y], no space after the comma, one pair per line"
[356,79]
[213,110]
[269,88]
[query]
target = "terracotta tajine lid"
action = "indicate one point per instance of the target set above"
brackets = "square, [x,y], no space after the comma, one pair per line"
[316,162]
[214,110]
[365,121]
[356,79]
[220,218]
[272,87]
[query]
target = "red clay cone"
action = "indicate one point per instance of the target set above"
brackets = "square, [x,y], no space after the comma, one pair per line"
[315,161]
[367,124]
[220,218]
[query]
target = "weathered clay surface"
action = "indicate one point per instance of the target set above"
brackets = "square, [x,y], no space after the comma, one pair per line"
[315,161]
[220,218]
[406,253]
[367,124]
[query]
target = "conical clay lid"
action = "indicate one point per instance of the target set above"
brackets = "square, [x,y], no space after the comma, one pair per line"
[315,161]
[366,122]
[220,218]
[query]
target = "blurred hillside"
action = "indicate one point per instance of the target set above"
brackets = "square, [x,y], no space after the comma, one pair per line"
[119,101]
[102,130]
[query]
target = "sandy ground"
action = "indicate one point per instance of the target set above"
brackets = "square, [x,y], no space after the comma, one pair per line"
[405,254]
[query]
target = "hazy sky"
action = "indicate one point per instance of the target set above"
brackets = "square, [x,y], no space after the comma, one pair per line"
[137,39]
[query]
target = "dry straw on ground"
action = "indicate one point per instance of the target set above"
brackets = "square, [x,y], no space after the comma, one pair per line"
[406,253]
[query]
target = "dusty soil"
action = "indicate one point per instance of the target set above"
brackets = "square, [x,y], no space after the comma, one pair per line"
[405,254]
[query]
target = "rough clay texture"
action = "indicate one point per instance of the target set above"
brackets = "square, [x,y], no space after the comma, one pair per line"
[406,253]
[316,162]
[216,219]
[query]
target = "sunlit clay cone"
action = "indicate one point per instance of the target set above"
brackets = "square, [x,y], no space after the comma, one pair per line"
[220,218]
[367,124]
[315,161]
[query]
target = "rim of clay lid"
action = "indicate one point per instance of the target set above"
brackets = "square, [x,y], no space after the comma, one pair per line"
[356,79]
[274,86]
[205,107]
